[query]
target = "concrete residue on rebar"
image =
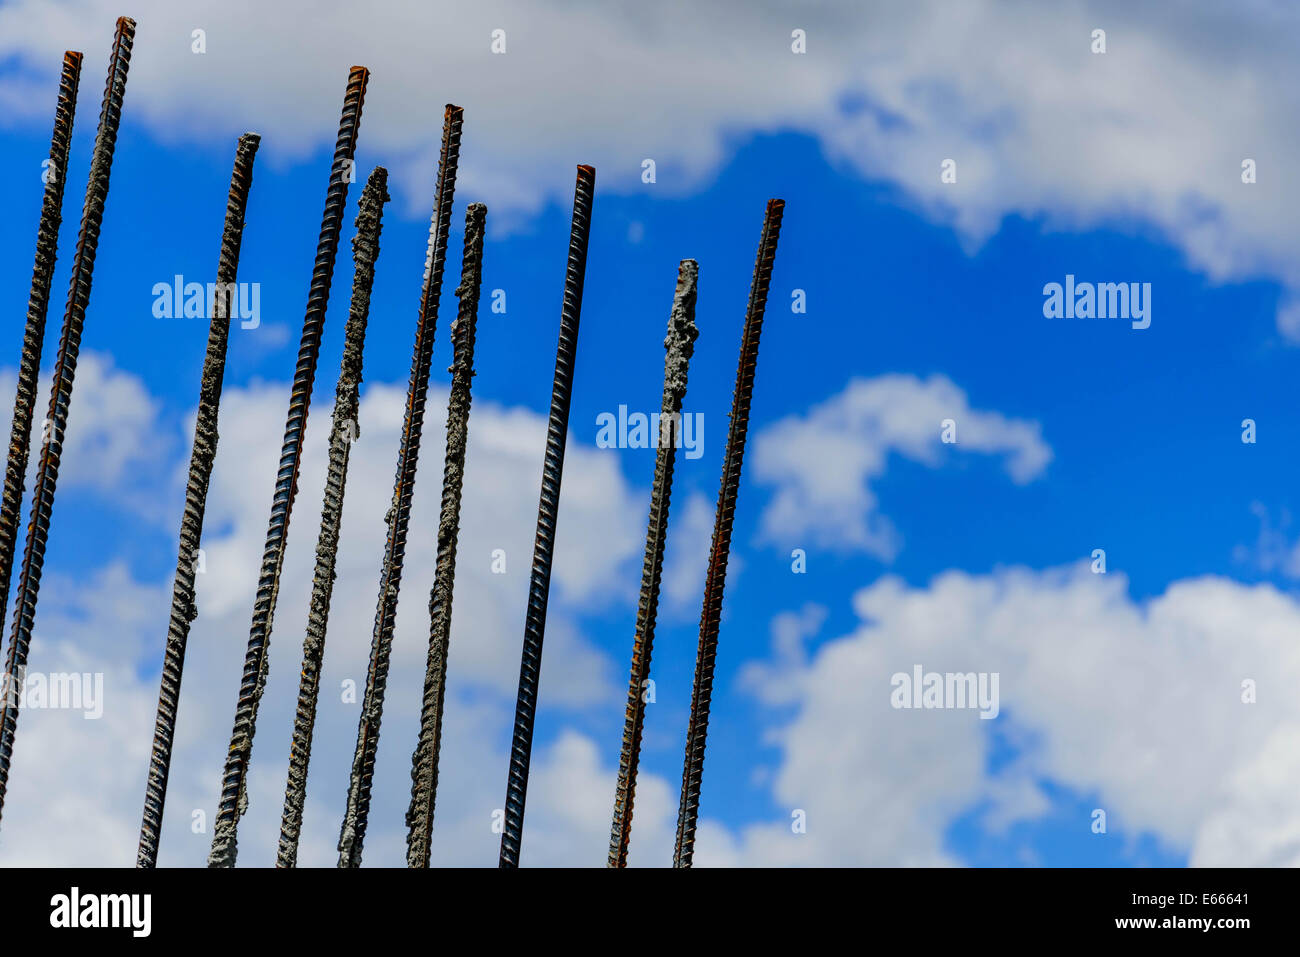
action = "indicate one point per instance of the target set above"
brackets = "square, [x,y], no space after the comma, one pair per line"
[344,431]
[234,798]
[424,770]
[679,345]
[352,833]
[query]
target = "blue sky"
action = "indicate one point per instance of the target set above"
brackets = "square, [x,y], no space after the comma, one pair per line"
[1085,434]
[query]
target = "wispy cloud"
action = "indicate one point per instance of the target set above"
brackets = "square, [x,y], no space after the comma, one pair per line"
[821,464]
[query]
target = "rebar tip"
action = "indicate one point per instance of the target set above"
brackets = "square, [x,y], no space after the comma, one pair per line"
[250,139]
[373,198]
[126,25]
[355,70]
[586,172]
[72,56]
[682,319]
[376,186]
[682,333]
[454,110]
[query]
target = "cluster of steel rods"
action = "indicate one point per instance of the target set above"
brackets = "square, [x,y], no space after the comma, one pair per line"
[352,835]
[679,347]
[680,344]
[234,800]
[65,365]
[720,549]
[344,430]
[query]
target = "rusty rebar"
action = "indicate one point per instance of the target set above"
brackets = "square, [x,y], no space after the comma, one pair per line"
[679,346]
[720,549]
[424,762]
[345,429]
[184,610]
[353,831]
[530,664]
[38,304]
[234,800]
[65,368]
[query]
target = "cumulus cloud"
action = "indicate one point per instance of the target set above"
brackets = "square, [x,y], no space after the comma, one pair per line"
[74,796]
[821,464]
[1155,130]
[1139,703]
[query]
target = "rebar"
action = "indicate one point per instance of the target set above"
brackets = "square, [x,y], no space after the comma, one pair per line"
[234,798]
[424,762]
[184,610]
[679,345]
[38,304]
[344,431]
[353,831]
[530,664]
[65,367]
[720,549]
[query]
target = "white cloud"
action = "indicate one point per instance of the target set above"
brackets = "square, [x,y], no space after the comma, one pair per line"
[112,437]
[1155,130]
[1272,551]
[686,556]
[790,633]
[822,463]
[1138,703]
[77,785]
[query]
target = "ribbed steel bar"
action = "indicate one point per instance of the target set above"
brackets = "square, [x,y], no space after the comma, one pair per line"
[679,345]
[344,431]
[233,797]
[353,832]
[424,769]
[65,368]
[38,304]
[530,664]
[716,577]
[184,610]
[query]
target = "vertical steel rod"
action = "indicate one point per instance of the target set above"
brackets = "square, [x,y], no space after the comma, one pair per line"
[234,800]
[424,770]
[530,664]
[716,577]
[29,367]
[679,345]
[344,431]
[65,368]
[184,610]
[353,832]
